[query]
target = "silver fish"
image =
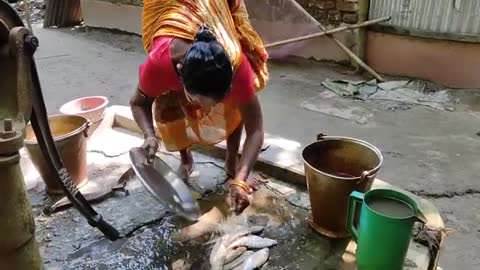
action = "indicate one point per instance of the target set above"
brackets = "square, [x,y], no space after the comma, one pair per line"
[219,252]
[221,249]
[238,262]
[232,254]
[249,230]
[256,229]
[241,233]
[253,241]
[256,260]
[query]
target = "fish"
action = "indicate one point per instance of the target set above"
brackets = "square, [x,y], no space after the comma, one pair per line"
[222,253]
[238,261]
[253,242]
[256,229]
[221,249]
[241,233]
[232,254]
[256,260]
[219,252]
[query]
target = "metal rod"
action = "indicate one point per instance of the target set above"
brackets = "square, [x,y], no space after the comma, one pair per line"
[329,32]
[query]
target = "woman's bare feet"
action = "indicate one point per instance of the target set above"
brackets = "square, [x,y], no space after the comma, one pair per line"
[186,164]
[252,183]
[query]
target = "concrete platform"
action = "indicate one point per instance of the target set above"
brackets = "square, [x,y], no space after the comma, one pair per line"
[119,121]
[431,153]
[153,238]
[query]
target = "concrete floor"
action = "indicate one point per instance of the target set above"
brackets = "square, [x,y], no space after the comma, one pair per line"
[154,239]
[429,152]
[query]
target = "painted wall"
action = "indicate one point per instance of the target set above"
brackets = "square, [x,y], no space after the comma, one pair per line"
[104,14]
[277,20]
[274,20]
[451,63]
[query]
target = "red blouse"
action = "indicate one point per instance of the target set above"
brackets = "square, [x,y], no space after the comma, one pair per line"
[158,75]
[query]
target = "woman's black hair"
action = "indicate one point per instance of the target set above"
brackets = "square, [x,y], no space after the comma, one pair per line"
[206,68]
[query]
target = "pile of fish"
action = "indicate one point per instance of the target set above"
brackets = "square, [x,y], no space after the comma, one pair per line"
[241,250]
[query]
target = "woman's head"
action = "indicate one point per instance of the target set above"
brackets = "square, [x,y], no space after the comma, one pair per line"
[206,69]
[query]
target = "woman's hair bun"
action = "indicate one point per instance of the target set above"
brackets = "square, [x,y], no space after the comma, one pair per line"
[204,34]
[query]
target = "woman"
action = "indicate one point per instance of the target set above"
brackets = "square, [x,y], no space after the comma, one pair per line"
[205,64]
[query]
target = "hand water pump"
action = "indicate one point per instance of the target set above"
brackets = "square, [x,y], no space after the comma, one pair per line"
[21,101]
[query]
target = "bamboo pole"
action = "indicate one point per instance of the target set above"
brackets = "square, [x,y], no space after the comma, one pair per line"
[364,7]
[325,33]
[353,56]
[359,61]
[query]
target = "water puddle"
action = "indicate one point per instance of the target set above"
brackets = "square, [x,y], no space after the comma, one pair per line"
[176,244]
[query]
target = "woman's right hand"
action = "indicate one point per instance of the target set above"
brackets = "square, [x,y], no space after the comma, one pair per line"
[150,146]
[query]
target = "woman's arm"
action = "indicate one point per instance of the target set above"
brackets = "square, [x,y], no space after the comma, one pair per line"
[141,107]
[232,4]
[253,120]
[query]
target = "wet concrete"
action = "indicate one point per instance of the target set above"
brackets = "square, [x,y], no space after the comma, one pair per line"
[429,152]
[150,243]
[154,239]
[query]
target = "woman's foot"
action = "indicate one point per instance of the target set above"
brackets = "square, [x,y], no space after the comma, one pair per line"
[186,164]
[252,183]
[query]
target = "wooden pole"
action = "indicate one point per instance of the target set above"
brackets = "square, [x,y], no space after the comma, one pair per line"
[26,7]
[364,7]
[329,32]
[353,56]
[359,61]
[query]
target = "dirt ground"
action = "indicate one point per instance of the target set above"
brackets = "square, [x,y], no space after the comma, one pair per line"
[429,152]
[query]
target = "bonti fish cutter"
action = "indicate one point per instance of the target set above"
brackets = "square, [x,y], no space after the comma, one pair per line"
[165,185]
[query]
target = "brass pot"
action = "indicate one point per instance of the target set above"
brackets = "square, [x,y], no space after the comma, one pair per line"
[334,167]
[69,133]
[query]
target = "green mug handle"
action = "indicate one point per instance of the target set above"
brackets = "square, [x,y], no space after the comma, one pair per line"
[355,197]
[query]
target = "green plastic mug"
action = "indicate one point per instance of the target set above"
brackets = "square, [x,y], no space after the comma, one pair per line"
[385,228]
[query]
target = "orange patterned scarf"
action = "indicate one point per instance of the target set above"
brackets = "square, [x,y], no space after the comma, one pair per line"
[230,24]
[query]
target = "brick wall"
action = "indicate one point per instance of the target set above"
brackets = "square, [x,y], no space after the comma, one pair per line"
[332,12]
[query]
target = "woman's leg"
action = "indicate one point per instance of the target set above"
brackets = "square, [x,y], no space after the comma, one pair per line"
[233,144]
[186,164]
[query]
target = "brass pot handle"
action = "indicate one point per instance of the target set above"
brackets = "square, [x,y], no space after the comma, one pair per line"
[366,175]
[321,136]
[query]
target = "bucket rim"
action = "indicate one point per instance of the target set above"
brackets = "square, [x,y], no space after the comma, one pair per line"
[104,104]
[64,136]
[362,142]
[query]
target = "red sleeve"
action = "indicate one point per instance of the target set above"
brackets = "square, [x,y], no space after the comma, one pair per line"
[157,74]
[243,87]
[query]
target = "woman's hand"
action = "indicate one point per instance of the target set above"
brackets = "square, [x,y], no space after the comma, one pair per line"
[239,196]
[150,146]
[141,106]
